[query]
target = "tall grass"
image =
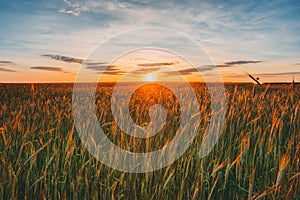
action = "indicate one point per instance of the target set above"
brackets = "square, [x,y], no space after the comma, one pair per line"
[257,156]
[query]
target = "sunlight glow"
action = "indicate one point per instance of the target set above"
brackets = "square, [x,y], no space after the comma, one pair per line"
[150,77]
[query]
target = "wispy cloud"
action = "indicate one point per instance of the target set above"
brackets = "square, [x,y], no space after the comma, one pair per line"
[157,64]
[189,71]
[64,58]
[137,59]
[6,62]
[242,62]
[146,70]
[48,68]
[104,68]
[117,72]
[220,65]
[73,7]
[233,63]
[96,63]
[6,70]
[101,67]
[279,74]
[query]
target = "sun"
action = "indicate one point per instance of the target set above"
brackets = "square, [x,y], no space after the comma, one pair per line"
[150,77]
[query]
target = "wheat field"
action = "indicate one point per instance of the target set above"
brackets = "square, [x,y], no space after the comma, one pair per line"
[256,157]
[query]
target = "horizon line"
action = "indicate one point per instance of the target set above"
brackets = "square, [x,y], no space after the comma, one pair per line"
[112,82]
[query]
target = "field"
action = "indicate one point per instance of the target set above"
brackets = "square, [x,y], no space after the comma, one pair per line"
[256,157]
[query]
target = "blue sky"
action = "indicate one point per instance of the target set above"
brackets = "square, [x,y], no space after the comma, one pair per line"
[265,31]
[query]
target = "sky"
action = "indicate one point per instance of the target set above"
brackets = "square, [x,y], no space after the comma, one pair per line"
[53,41]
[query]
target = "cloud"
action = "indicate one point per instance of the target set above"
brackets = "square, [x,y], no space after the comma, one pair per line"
[242,62]
[231,64]
[137,59]
[157,64]
[257,75]
[74,7]
[6,62]
[46,68]
[203,68]
[101,67]
[104,68]
[64,58]
[212,66]
[189,71]
[279,74]
[117,72]
[96,63]
[6,70]
[192,70]
[146,70]
[62,10]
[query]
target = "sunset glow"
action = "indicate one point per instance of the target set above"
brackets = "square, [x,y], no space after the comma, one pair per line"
[149,99]
[48,41]
[150,77]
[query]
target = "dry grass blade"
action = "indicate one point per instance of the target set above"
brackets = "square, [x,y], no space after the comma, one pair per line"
[3,135]
[284,161]
[37,152]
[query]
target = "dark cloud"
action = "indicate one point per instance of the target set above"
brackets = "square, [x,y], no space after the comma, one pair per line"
[46,68]
[100,67]
[213,66]
[64,58]
[6,70]
[157,64]
[232,63]
[198,69]
[189,71]
[104,68]
[96,63]
[224,65]
[242,62]
[6,62]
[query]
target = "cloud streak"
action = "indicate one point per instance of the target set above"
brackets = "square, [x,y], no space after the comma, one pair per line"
[203,68]
[6,70]
[280,74]
[66,59]
[104,68]
[47,68]
[157,64]
[242,62]
[101,67]
[145,70]
[73,8]
[6,62]
[189,71]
